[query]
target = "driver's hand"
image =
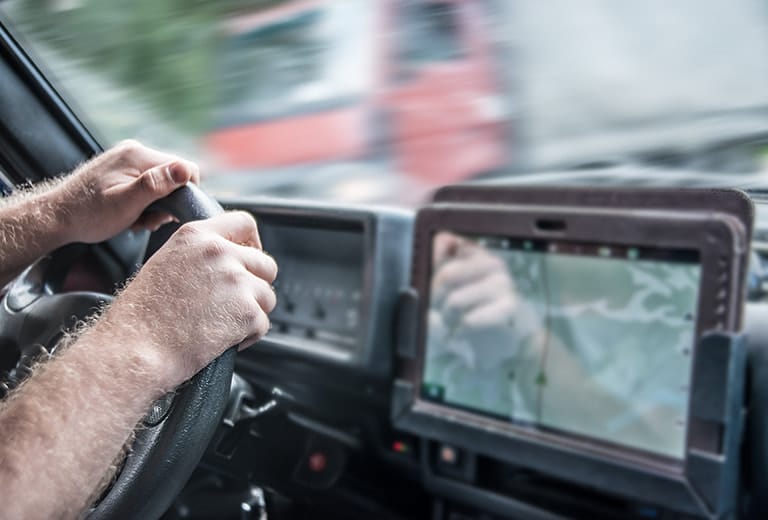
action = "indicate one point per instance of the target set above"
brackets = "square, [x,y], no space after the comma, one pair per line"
[207,289]
[109,193]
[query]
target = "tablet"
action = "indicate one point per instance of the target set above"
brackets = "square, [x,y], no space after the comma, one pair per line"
[546,333]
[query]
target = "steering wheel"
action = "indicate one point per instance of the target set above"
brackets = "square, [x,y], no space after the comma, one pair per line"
[177,429]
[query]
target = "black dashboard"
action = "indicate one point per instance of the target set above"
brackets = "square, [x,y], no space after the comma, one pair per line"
[341,270]
[327,410]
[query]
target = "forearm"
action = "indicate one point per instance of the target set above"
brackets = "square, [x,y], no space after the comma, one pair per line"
[32,223]
[65,427]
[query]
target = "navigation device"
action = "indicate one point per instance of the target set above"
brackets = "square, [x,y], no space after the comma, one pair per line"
[591,344]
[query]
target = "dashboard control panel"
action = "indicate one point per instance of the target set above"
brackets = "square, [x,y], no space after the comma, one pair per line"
[319,288]
[332,261]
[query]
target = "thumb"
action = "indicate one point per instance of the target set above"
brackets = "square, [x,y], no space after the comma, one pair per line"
[160,181]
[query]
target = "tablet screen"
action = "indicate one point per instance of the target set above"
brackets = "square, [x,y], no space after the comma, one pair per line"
[586,340]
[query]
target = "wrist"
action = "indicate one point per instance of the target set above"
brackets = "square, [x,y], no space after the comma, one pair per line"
[65,202]
[32,225]
[128,349]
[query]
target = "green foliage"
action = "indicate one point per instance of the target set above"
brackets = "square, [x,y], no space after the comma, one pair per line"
[164,50]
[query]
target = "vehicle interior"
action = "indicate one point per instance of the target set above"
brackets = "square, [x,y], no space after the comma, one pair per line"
[631,230]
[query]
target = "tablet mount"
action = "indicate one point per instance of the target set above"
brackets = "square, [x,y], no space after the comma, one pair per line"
[707,487]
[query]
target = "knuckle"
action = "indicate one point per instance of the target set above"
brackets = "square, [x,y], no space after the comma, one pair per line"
[149,183]
[244,218]
[249,314]
[266,267]
[214,248]
[129,147]
[231,278]
[243,215]
[188,230]
[241,313]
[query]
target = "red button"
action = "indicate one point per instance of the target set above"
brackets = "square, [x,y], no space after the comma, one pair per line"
[318,462]
[449,455]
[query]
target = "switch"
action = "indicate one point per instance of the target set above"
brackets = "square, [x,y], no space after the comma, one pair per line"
[449,455]
[401,447]
[318,462]
[452,461]
[322,464]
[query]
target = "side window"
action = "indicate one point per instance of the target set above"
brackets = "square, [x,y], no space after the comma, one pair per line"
[128,69]
[6,186]
[431,32]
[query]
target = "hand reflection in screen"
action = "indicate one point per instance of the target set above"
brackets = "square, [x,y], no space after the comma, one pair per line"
[490,349]
[471,285]
[475,305]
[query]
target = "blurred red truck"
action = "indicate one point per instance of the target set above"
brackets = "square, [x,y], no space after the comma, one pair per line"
[312,82]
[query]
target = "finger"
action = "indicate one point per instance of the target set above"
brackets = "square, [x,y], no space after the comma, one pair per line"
[192,168]
[143,157]
[152,221]
[264,294]
[153,184]
[447,246]
[444,246]
[261,326]
[491,288]
[462,271]
[257,262]
[255,287]
[494,314]
[236,226]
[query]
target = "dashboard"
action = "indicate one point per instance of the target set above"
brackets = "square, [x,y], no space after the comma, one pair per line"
[340,273]
[320,290]
[367,411]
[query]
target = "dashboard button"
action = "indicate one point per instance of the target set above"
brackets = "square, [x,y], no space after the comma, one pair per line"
[319,312]
[449,455]
[317,462]
[323,463]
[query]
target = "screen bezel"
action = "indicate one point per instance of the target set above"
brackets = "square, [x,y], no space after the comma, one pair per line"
[642,228]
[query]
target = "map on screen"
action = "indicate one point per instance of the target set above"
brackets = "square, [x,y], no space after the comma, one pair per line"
[583,339]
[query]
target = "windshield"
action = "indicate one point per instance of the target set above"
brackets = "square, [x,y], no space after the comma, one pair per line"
[385,100]
[279,62]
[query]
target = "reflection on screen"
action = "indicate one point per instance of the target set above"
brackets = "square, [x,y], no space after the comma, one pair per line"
[587,339]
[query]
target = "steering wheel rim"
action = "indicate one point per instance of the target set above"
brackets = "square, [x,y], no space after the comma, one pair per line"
[164,454]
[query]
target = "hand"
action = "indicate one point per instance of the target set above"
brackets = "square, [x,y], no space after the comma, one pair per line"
[471,285]
[109,193]
[207,289]
[474,306]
